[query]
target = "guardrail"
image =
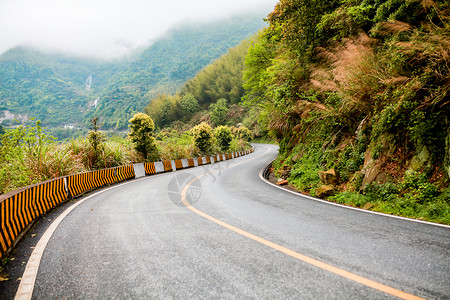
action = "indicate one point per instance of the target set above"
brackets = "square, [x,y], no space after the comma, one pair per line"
[21,208]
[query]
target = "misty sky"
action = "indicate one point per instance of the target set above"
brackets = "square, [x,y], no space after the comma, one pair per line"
[107,28]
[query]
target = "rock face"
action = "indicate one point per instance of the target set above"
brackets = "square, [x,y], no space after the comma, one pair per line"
[421,159]
[324,191]
[372,169]
[328,177]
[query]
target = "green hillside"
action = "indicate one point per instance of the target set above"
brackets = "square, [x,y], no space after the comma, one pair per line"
[359,89]
[52,88]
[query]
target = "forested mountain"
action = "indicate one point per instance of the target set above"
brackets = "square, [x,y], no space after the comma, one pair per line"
[220,80]
[61,90]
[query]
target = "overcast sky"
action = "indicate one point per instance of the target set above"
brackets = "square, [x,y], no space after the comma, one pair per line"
[107,28]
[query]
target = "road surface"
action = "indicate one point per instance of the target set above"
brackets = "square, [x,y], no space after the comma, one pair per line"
[219,231]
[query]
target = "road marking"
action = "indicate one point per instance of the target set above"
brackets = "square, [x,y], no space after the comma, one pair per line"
[356,278]
[26,286]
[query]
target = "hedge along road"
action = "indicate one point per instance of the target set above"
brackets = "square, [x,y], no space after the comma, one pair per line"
[219,231]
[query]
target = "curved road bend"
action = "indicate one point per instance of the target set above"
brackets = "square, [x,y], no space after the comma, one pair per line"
[139,240]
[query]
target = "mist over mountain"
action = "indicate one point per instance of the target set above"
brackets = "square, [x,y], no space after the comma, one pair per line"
[66,91]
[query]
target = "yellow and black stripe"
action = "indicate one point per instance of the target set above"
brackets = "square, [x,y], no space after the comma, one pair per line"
[167,165]
[22,207]
[124,173]
[149,168]
[191,162]
[78,184]
[178,164]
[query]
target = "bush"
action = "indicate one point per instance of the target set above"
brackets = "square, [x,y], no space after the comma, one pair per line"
[245,134]
[350,198]
[141,135]
[223,137]
[203,137]
[219,111]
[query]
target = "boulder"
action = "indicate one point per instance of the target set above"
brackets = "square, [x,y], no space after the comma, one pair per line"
[421,159]
[324,191]
[328,177]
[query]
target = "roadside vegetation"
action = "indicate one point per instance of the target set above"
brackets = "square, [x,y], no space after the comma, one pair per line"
[358,90]
[29,154]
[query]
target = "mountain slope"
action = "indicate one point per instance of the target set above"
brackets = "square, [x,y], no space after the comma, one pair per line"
[52,88]
[166,65]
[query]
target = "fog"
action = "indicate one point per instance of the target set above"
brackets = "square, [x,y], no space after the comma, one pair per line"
[107,28]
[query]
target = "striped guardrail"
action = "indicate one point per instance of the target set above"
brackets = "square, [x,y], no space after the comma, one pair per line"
[19,209]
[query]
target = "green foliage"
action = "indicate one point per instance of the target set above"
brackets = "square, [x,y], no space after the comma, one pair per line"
[335,81]
[220,79]
[351,159]
[189,105]
[245,134]
[350,198]
[176,145]
[304,174]
[96,139]
[203,138]
[141,135]
[223,136]
[299,20]
[238,145]
[27,156]
[53,87]
[414,196]
[219,111]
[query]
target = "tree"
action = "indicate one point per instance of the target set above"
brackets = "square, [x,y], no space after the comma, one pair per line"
[141,134]
[219,111]
[189,105]
[224,137]
[167,112]
[203,137]
[96,138]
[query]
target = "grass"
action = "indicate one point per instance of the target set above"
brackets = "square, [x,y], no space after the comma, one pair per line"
[413,197]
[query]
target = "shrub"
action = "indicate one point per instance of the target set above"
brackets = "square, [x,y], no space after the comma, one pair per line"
[219,111]
[223,137]
[203,137]
[352,198]
[141,135]
[245,134]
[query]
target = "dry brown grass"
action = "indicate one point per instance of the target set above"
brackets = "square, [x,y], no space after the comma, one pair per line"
[354,71]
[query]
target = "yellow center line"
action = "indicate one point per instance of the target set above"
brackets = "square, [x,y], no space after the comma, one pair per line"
[304,258]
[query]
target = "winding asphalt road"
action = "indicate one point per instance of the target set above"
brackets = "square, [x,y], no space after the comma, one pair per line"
[220,231]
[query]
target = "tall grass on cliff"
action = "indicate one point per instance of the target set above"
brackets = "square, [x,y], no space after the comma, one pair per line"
[366,95]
